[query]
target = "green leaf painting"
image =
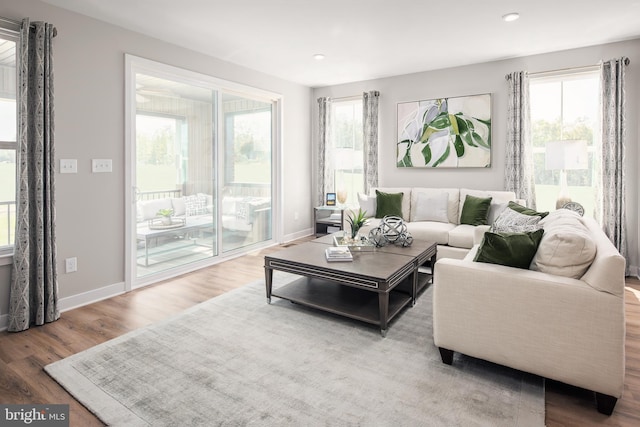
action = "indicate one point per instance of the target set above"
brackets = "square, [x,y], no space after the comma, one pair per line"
[445,132]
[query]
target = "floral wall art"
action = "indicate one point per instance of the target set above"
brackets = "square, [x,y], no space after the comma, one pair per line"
[445,133]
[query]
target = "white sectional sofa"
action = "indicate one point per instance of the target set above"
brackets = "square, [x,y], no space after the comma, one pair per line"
[427,217]
[563,318]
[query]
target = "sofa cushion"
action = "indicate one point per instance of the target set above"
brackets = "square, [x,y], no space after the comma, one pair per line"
[148,209]
[525,210]
[431,231]
[388,204]
[367,204]
[512,221]
[430,208]
[475,210]
[453,204]
[510,249]
[567,248]
[462,236]
[179,207]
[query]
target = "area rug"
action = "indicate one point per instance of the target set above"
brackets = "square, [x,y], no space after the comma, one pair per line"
[236,360]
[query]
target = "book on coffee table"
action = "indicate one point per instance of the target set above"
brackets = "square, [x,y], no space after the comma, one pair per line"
[341,253]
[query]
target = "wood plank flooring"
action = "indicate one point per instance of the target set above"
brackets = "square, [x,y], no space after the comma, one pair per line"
[23,355]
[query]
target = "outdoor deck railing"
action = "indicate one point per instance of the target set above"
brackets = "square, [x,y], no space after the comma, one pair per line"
[151,195]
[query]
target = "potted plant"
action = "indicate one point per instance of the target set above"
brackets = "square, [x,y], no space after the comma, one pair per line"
[357,221]
[165,214]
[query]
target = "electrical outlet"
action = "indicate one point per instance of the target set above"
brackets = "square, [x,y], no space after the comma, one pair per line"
[71,265]
[68,166]
[296,216]
[101,165]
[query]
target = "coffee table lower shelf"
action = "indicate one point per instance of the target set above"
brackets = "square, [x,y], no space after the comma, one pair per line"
[339,299]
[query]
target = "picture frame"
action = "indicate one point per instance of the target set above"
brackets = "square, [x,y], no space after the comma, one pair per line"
[452,132]
[331,199]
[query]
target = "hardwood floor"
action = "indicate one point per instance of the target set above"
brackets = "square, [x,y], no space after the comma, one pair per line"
[23,355]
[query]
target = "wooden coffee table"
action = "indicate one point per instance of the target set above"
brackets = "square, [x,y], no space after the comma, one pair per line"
[373,288]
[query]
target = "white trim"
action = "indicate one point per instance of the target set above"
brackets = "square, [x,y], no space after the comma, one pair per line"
[130,172]
[79,300]
[135,65]
[6,259]
[89,297]
[297,235]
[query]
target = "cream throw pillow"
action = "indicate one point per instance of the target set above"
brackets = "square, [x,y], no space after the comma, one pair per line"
[566,248]
[432,208]
[367,204]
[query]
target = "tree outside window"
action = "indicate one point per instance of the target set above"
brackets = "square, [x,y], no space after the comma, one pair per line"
[347,146]
[566,107]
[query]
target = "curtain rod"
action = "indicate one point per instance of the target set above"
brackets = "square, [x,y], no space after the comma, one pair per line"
[343,98]
[18,24]
[627,61]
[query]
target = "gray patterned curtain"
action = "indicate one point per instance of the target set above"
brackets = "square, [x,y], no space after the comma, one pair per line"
[613,152]
[519,176]
[325,177]
[370,124]
[34,284]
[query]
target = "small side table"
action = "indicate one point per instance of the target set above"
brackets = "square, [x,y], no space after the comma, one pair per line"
[328,219]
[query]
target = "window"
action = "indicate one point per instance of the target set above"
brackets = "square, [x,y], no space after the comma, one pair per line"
[565,107]
[8,141]
[346,139]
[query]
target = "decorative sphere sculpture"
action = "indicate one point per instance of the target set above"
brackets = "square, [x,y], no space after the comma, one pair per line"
[392,229]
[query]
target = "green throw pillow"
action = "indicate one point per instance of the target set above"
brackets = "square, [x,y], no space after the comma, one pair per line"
[510,249]
[525,210]
[475,210]
[388,204]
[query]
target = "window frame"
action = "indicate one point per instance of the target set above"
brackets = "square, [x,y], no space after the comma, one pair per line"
[352,199]
[593,149]
[10,34]
[134,65]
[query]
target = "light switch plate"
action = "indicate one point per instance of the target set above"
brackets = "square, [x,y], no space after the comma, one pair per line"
[101,165]
[68,166]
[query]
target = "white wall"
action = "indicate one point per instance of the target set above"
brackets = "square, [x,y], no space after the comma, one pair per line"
[89,119]
[490,78]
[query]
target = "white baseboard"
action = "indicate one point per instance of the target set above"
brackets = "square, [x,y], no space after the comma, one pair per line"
[75,301]
[298,235]
[79,300]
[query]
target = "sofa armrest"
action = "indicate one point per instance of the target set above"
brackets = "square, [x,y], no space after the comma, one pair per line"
[556,327]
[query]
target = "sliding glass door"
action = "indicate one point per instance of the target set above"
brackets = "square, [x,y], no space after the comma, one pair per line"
[174,181]
[202,169]
[247,170]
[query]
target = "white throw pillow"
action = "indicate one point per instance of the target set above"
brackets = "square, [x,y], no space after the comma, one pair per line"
[367,204]
[432,208]
[510,221]
[495,209]
[148,209]
[566,248]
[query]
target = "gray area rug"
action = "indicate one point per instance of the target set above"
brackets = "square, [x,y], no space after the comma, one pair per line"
[235,360]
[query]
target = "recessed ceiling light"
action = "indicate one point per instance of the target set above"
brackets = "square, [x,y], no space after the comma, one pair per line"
[318,56]
[510,17]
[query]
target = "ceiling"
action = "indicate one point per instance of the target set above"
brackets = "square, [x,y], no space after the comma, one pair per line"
[367,39]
